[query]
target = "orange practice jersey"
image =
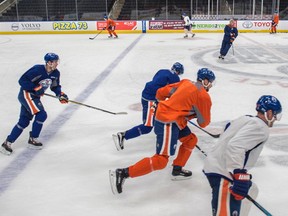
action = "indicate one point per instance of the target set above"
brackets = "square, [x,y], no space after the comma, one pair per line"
[187,100]
[110,22]
[276,18]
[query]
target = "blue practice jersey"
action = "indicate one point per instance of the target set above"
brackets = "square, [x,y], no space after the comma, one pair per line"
[228,31]
[37,75]
[160,79]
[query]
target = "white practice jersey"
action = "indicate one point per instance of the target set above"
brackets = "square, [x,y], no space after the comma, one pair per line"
[187,21]
[238,147]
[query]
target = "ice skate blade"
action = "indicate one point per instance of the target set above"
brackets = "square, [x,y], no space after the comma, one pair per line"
[4,151]
[180,178]
[112,178]
[116,142]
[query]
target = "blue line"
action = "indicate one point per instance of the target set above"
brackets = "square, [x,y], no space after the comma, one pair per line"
[22,160]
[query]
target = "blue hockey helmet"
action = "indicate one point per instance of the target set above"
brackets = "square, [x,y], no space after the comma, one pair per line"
[269,102]
[105,17]
[178,67]
[51,57]
[183,14]
[205,73]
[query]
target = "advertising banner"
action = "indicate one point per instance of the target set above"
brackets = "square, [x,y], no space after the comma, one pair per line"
[166,25]
[120,25]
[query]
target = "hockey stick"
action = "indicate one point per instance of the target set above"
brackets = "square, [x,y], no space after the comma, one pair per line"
[233,49]
[248,197]
[82,104]
[204,153]
[92,38]
[212,135]
[258,206]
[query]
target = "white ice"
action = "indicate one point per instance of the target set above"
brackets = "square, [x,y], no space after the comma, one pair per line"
[69,177]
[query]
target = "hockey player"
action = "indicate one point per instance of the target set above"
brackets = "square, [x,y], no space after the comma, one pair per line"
[230,34]
[274,23]
[160,79]
[236,152]
[178,102]
[187,26]
[110,26]
[33,84]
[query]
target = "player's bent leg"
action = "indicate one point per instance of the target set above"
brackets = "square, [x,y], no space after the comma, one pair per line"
[33,141]
[147,165]
[185,150]
[143,167]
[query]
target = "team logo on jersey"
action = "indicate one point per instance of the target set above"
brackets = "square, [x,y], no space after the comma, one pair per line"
[46,83]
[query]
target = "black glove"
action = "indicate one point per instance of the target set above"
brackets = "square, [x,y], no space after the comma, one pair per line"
[39,90]
[63,98]
[104,28]
[241,184]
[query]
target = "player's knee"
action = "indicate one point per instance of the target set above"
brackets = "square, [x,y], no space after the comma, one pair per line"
[189,141]
[23,122]
[159,161]
[41,116]
[146,129]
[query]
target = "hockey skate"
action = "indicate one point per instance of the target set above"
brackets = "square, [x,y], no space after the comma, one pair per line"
[119,140]
[116,36]
[193,35]
[6,148]
[178,173]
[110,36]
[186,36]
[33,143]
[117,179]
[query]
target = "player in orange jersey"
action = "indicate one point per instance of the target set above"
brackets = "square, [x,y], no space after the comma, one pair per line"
[178,103]
[275,22]
[110,26]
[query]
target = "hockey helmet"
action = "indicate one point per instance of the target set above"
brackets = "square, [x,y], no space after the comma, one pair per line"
[269,102]
[178,67]
[205,73]
[105,17]
[51,57]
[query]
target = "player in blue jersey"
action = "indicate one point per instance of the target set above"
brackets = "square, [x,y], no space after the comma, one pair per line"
[230,34]
[160,79]
[33,84]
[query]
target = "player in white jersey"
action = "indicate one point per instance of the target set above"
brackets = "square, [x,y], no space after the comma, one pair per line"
[236,152]
[187,26]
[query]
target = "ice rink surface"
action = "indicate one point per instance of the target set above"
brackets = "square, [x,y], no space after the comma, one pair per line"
[69,177]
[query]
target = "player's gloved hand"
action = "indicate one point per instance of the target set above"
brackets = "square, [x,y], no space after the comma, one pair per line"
[104,28]
[241,184]
[39,90]
[63,98]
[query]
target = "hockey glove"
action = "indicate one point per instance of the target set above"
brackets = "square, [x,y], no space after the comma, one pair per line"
[63,98]
[39,91]
[241,184]
[104,28]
